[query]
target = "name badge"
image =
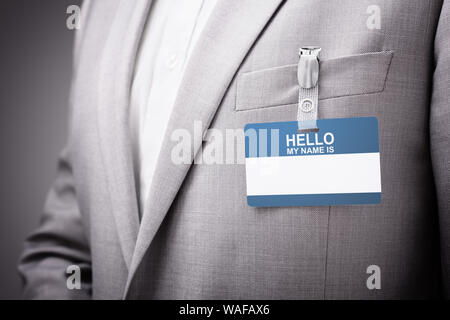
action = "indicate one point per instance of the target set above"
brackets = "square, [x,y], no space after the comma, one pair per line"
[337,165]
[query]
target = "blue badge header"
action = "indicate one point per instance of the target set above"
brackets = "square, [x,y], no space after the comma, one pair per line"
[335,136]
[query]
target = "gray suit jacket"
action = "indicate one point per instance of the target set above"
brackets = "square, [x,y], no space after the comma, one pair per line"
[199,238]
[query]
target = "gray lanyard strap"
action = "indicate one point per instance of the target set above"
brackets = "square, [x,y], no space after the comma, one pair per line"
[308,80]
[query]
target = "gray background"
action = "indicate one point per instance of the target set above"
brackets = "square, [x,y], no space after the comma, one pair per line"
[35,71]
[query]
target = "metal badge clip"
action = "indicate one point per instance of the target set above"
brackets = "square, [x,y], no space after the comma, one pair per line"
[308,95]
[308,67]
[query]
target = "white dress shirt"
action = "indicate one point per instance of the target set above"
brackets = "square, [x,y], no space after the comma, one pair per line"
[172,29]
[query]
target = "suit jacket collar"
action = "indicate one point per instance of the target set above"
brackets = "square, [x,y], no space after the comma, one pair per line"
[116,71]
[228,36]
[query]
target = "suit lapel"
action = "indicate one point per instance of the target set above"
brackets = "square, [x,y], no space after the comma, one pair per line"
[228,36]
[116,72]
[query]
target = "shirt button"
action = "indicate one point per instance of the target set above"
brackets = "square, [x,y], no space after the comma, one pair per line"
[172,61]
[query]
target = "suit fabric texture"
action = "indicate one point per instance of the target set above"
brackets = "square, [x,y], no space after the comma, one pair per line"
[198,238]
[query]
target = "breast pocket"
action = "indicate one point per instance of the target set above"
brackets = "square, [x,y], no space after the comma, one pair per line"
[340,77]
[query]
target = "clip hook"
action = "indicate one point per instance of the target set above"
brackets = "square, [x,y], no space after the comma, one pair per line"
[308,67]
